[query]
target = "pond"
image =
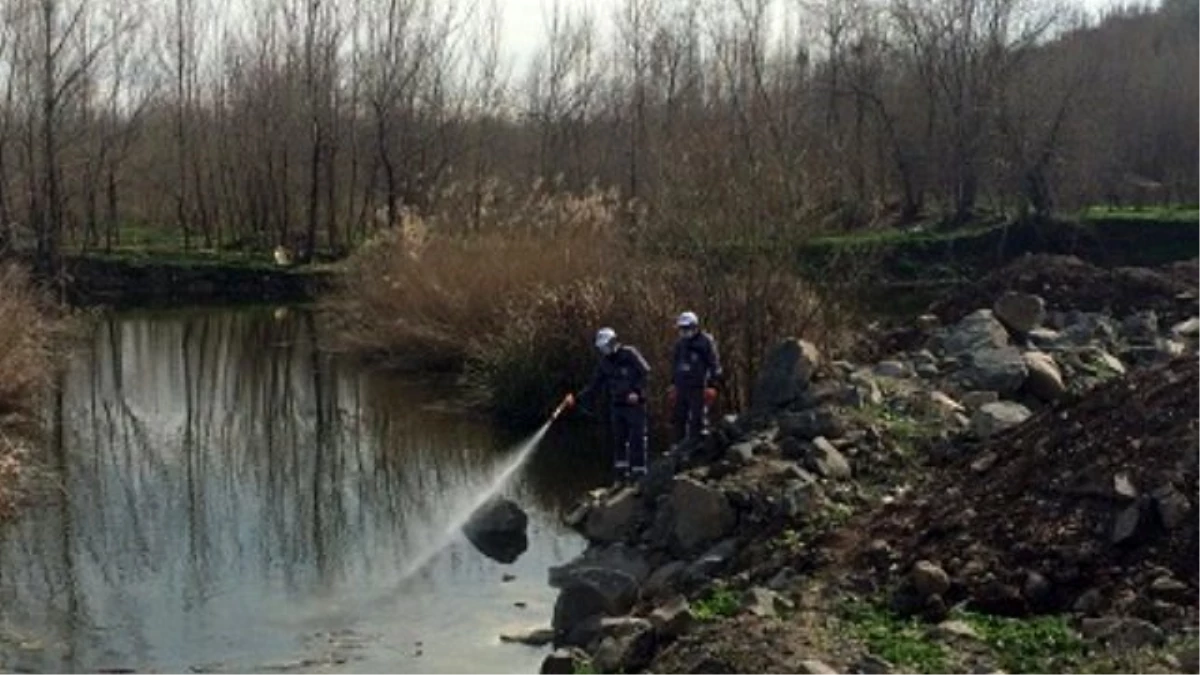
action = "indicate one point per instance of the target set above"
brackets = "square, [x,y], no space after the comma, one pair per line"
[230,498]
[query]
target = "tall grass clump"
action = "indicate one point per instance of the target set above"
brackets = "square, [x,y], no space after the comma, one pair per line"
[27,328]
[418,295]
[512,302]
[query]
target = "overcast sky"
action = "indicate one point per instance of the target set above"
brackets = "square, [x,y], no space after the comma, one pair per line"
[524,20]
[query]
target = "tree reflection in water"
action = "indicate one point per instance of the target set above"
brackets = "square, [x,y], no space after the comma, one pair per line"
[228,491]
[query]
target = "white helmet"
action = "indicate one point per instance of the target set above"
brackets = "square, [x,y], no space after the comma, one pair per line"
[604,337]
[687,320]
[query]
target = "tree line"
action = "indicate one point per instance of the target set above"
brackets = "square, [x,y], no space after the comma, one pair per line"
[310,123]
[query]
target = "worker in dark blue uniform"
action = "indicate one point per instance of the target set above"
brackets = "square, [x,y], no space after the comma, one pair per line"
[622,371]
[695,374]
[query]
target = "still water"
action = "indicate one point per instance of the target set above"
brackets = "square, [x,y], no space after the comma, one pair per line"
[229,498]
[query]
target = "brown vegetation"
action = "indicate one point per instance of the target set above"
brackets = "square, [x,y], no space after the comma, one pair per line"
[514,302]
[26,330]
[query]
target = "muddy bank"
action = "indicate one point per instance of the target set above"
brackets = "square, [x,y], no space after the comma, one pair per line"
[959,257]
[124,283]
[1014,490]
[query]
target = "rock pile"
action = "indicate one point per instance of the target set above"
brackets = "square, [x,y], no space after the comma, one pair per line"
[1064,485]
[1090,508]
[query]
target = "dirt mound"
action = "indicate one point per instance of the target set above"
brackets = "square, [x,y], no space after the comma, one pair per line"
[1094,498]
[1068,283]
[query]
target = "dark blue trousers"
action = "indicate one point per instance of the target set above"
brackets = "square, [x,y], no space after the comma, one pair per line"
[690,417]
[629,437]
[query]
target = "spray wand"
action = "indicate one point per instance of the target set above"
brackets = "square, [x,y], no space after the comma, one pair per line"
[567,402]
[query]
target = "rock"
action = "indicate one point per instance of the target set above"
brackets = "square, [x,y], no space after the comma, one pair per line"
[1166,349]
[996,417]
[808,424]
[1123,487]
[1090,602]
[870,664]
[955,629]
[1044,378]
[628,650]
[929,579]
[801,496]
[610,519]
[1141,326]
[1045,338]
[977,330]
[1000,599]
[828,461]
[673,618]
[1020,312]
[1000,369]
[1189,328]
[712,562]
[974,400]
[563,662]
[741,453]
[786,375]
[762,602]
[1084,328]
[1171,506]
[1122,633]
[701,513]
[1126,527]
[664,579]
[1037,588]
[1170,588]
[928,371]
[945,405]
[536,637]
[893,369]
[507,578]
[927,322]
[592,592]
[814,667]
[497,529]
[619,557]
[984,462]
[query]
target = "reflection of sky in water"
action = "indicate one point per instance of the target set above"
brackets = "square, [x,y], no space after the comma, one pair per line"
[235,500]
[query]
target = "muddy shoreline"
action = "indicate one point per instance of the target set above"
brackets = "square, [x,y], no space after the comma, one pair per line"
[122,284]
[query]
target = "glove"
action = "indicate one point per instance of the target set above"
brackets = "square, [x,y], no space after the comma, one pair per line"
[569,401]
[672,396]
[710,395]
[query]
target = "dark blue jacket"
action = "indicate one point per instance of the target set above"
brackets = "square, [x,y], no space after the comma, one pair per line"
[695,363]
[621,372]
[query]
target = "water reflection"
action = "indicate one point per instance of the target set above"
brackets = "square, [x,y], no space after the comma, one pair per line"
[232,498]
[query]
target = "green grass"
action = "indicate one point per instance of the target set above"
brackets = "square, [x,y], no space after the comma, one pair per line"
[719,602]
[1162,214]
[583,667]
[1041,644]
[902,642]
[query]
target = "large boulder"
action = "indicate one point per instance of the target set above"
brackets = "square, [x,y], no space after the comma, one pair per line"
[701,514]
[1044,379]
[809,424]
[627,650]
[1020,312]
[999,369]
[563,661]
[610,519]
[977,330]
[498,530]
[591,592]
[786,375]
[993,418]
[614,557]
